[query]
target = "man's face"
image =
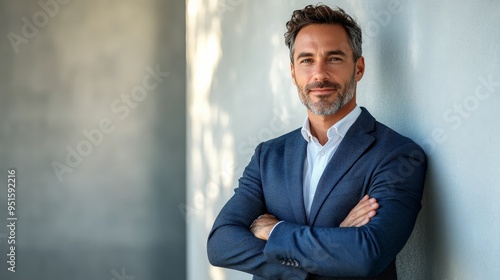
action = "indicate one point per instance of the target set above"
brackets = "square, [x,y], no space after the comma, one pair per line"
[323,68]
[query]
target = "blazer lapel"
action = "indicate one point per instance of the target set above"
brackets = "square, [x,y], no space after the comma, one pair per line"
[295,154]
[355,142]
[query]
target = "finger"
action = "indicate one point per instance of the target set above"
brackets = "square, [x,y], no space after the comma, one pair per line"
[368,210]
[259,224]
[358,216]
[264,221]
[366,201]
[259,218]
[266,216]
[361,221]
[362,210]
[366,206]
[373,205]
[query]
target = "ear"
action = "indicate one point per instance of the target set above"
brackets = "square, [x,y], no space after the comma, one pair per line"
[360,68]
[292,71]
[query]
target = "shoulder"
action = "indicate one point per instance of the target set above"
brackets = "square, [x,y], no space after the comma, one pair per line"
[386,138]
[388,142]
[281,141]
[389,136]
[276,147]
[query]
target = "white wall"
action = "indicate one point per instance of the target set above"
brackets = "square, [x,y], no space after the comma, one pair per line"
[428,64]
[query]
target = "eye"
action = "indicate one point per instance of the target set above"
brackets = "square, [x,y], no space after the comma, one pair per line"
[335,59]
[306,60]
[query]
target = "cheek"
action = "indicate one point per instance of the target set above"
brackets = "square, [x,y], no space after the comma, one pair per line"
[301,76]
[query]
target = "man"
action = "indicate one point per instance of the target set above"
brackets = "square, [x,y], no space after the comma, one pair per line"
[337,198]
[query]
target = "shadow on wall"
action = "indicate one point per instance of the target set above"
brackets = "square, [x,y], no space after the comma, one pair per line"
[204,156]
[391,64]
[405,86]
[222,96]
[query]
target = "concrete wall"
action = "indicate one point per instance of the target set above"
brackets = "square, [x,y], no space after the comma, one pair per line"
[98,142]
[432,74]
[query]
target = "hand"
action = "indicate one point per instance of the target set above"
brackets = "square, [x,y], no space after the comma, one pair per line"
[263,225]
[361,214]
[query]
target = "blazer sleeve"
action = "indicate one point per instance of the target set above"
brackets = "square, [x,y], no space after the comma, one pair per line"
[397,183]
[231,244]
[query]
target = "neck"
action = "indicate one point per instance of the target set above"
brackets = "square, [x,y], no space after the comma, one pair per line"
[320,124]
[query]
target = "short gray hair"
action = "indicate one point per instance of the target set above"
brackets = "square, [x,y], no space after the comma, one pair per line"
[322,14]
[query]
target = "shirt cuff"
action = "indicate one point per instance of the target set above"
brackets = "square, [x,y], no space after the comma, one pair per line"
[270,232]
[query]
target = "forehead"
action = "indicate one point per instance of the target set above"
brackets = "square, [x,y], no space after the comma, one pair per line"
[322,37]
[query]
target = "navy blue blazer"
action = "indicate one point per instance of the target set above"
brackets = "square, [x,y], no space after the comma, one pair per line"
[371,159]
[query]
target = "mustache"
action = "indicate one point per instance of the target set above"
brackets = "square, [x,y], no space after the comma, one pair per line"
[323,84]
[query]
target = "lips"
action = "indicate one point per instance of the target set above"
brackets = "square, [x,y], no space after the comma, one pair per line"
[322,88]
[322,91]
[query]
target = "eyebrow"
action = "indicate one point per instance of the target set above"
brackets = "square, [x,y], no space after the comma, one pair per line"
[328,53]
[336,52]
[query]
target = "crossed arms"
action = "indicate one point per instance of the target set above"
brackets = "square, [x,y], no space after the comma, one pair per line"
[360,215]
[363,245]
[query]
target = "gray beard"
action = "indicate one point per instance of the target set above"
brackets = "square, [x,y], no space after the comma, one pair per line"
[323,107]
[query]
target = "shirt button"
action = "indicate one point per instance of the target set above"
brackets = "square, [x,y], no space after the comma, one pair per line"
[322,153]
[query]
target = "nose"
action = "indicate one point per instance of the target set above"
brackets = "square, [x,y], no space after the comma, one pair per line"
[321,72]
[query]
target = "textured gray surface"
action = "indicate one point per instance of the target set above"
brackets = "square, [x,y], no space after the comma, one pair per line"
[115,215]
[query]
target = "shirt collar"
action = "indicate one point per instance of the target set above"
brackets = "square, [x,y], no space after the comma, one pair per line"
[340,128]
